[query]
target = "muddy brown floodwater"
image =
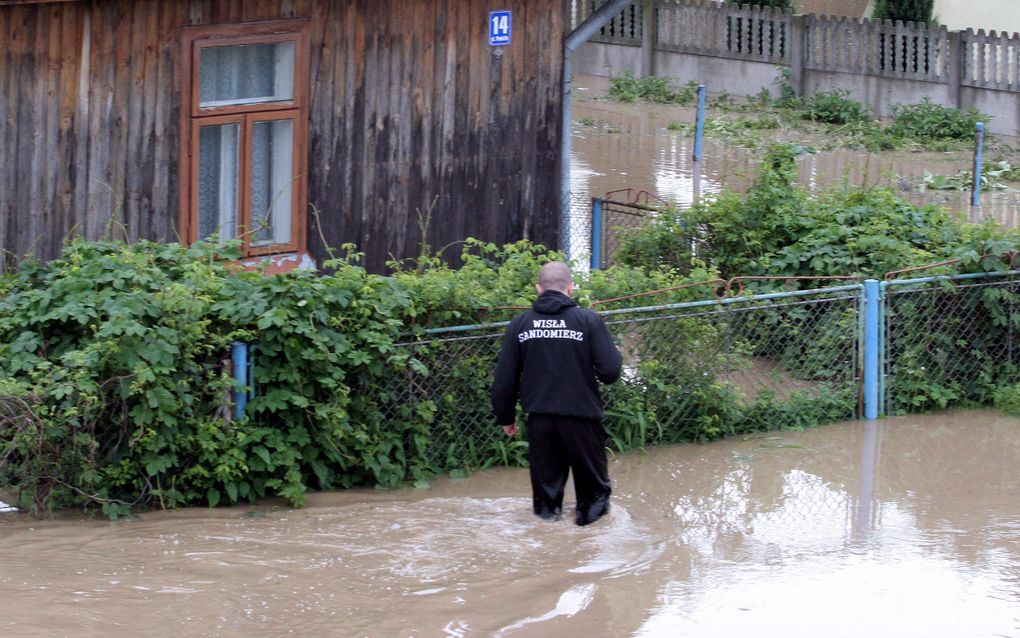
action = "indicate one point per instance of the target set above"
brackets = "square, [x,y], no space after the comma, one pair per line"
[628,146]
[903,527]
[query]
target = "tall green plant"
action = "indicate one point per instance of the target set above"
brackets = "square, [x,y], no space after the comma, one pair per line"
[926,120]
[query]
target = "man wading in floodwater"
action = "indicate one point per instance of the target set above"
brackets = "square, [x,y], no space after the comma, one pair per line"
[552,357]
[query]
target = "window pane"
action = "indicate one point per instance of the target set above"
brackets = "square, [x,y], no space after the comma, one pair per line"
[272,180]
[246,74]
[218,151]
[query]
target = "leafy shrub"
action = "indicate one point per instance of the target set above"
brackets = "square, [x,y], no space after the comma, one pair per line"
[835,107]
[1007,399]
[778,229]
[867,233]
[929,121]
[629,88]
[115,388]
[116,357]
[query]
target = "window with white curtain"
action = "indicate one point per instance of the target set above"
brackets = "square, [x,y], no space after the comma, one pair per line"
[247,114]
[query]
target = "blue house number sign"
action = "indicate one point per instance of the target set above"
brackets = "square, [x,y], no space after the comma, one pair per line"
[499,28]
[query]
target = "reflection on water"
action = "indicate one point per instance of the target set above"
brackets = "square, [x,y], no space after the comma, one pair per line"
[904,527]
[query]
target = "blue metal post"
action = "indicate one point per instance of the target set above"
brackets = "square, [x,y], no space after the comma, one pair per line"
[239,355]
[699,125]
[979,143]
[699,132]
[871,348]
[596,233]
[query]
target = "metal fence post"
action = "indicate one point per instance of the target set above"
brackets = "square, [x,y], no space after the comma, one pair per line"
[239,355]
[596,233]
[979,142]
[871,348]
[699,132]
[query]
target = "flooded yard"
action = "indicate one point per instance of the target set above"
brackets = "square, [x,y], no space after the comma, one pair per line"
[903,527]
[629,146]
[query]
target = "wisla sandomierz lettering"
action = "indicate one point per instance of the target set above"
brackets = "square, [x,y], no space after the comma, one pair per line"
[550,329]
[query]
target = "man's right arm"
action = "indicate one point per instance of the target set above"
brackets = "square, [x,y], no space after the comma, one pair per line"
[606,356]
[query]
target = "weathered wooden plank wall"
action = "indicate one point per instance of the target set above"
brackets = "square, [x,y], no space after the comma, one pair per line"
[88,107]
[411,111]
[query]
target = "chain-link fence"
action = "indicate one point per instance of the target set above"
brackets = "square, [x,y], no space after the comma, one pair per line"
[448,386]
[701,370]
[692,371]
[613,223]
[616,218]
[575,228]
[950,341]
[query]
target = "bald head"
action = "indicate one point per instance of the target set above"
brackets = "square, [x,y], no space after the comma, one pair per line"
[555,276]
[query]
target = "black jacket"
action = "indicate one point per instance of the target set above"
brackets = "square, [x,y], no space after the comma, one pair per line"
[551,357]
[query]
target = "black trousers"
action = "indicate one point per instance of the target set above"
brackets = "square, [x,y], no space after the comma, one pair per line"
[558,444]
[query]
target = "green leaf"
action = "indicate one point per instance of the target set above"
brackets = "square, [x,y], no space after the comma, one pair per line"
[263,454]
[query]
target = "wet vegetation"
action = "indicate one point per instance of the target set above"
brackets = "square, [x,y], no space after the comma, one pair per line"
[116,393]
[949,347]
[778,228]
[824,120]
[630,88]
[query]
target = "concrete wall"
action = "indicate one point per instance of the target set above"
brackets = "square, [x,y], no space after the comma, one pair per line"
[749,77]
[605,60]
[1003,106]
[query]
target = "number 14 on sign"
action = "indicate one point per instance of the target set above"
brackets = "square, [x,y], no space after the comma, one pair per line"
[499,28]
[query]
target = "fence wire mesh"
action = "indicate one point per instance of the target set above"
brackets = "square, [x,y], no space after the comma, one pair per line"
[617,219]
[696,372]
[950,343]
[691,372]
[575,233]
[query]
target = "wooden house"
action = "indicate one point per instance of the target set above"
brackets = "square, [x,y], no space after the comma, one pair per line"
[291,124]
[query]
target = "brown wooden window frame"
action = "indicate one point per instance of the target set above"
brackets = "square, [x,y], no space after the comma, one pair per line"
[193,117]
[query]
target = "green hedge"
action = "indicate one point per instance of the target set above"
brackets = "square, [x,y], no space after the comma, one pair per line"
[115,389]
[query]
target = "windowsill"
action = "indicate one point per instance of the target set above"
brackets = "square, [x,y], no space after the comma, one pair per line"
[284,262]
